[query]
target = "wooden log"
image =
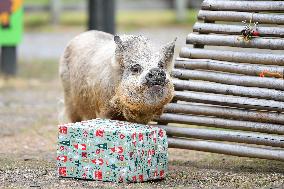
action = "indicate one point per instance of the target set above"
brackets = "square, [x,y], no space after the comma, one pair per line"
[232,56]
[230,136]
[232,79]
[223,66]
[229,113]
[206,28]
[228,100]
[235,41]
[231,16]
[245,6]
[229,149]
[222,123]
[211,87]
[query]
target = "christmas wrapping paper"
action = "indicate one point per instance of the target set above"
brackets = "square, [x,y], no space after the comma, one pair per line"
[109,150]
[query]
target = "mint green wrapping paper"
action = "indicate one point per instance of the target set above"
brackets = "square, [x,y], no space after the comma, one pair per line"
[109,150]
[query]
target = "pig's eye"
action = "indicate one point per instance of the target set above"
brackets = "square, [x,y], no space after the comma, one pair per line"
[161,64]
[136,68]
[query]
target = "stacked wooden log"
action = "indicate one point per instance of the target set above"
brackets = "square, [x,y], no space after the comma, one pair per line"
[239,87]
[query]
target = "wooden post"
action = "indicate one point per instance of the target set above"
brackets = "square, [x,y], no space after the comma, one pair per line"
[55,9]
[8,60]
[102,15]
[180,6]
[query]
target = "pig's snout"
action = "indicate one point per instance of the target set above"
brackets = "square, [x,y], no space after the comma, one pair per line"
[155,76]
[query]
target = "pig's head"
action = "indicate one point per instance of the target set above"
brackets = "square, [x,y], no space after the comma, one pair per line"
[145,84]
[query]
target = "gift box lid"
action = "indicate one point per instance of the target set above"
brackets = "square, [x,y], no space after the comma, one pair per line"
[110,125]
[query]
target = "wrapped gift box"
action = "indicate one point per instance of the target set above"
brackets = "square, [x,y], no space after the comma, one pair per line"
[109,150]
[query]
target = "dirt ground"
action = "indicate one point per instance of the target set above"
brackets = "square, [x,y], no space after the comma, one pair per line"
[28,118]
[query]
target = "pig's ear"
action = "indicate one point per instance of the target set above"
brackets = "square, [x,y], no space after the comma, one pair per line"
[119,43]
[117,40]
[167,54]
[119,49]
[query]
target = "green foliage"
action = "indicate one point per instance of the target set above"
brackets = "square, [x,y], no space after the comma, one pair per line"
[46,2]
[127,20]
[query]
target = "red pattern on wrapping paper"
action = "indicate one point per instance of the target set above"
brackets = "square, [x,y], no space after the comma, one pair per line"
[61,148]
[99,161]
[155,140]
[161,133]
[140,136]
[151,152]
[84,176]
[100,133]
[80,146]
[131,154]
[134,179]
[120,179]
[121,136]
[62,158]
[86,172]
[156,173]
[140,152]
[98,175]
[162,173]
[98,151]
[118,149]
[62,171]
[84,154]
[141,178]
[133,136]
[63,129]
[153,134]
[121,157]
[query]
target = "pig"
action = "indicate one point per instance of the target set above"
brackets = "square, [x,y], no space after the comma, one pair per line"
[116,77]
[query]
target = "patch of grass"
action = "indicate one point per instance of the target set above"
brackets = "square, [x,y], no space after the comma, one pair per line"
[127,20]
[40,69]
[46,2]
[36,2]
[71,18]
[34,20]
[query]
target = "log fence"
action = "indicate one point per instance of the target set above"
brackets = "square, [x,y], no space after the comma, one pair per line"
[236,95]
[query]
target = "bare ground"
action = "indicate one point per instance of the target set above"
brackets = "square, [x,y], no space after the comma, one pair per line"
[28,119]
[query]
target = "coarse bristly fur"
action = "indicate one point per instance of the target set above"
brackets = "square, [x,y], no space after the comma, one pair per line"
[115,77]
